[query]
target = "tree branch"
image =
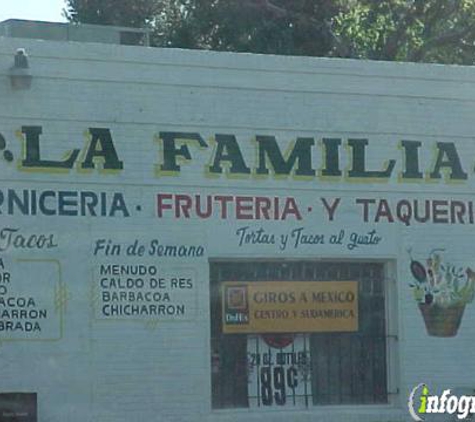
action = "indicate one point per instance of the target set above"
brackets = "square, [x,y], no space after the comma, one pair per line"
[440,41]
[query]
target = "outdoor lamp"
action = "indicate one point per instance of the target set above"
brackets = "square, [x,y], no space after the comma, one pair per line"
[20,76]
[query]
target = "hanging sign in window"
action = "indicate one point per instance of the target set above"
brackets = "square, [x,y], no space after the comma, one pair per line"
[290,307]
[278,370]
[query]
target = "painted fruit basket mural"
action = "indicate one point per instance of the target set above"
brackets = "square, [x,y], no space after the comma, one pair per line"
[441,290]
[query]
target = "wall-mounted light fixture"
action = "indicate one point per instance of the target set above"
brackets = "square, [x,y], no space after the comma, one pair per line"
[20,76]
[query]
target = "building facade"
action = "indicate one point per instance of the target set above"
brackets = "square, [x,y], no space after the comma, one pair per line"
[200,236]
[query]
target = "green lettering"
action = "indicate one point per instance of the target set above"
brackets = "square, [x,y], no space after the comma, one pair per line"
[358,168]
[32,152]
[447,157]
[228,150]
[332,157]
[411,160]
[301,153]
[102,146]
[171,152]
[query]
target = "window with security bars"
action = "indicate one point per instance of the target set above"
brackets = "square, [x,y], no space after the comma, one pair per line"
[302,369]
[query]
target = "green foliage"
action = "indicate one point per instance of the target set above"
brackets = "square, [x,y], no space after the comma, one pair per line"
[406,30]
[284,27]
[410,30]
[133,13]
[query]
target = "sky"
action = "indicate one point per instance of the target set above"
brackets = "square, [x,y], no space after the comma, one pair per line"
[40,10]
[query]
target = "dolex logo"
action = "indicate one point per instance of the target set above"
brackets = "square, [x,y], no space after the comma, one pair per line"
[422,403]
[236,305]
[237,298]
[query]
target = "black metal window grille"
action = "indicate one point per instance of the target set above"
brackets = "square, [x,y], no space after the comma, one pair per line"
[345,368]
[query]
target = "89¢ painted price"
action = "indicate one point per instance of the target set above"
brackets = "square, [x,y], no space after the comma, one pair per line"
[274,383]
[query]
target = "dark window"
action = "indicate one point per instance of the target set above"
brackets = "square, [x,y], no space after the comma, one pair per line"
[341,368]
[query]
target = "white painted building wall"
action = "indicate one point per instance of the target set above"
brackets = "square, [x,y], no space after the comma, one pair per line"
[86,368]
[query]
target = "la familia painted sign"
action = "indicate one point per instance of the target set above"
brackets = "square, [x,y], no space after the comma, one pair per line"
[226,157]
[324,159]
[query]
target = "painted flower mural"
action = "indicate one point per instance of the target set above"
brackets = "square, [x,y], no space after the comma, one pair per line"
[442,290]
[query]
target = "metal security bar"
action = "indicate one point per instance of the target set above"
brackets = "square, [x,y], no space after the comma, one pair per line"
[344,368]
